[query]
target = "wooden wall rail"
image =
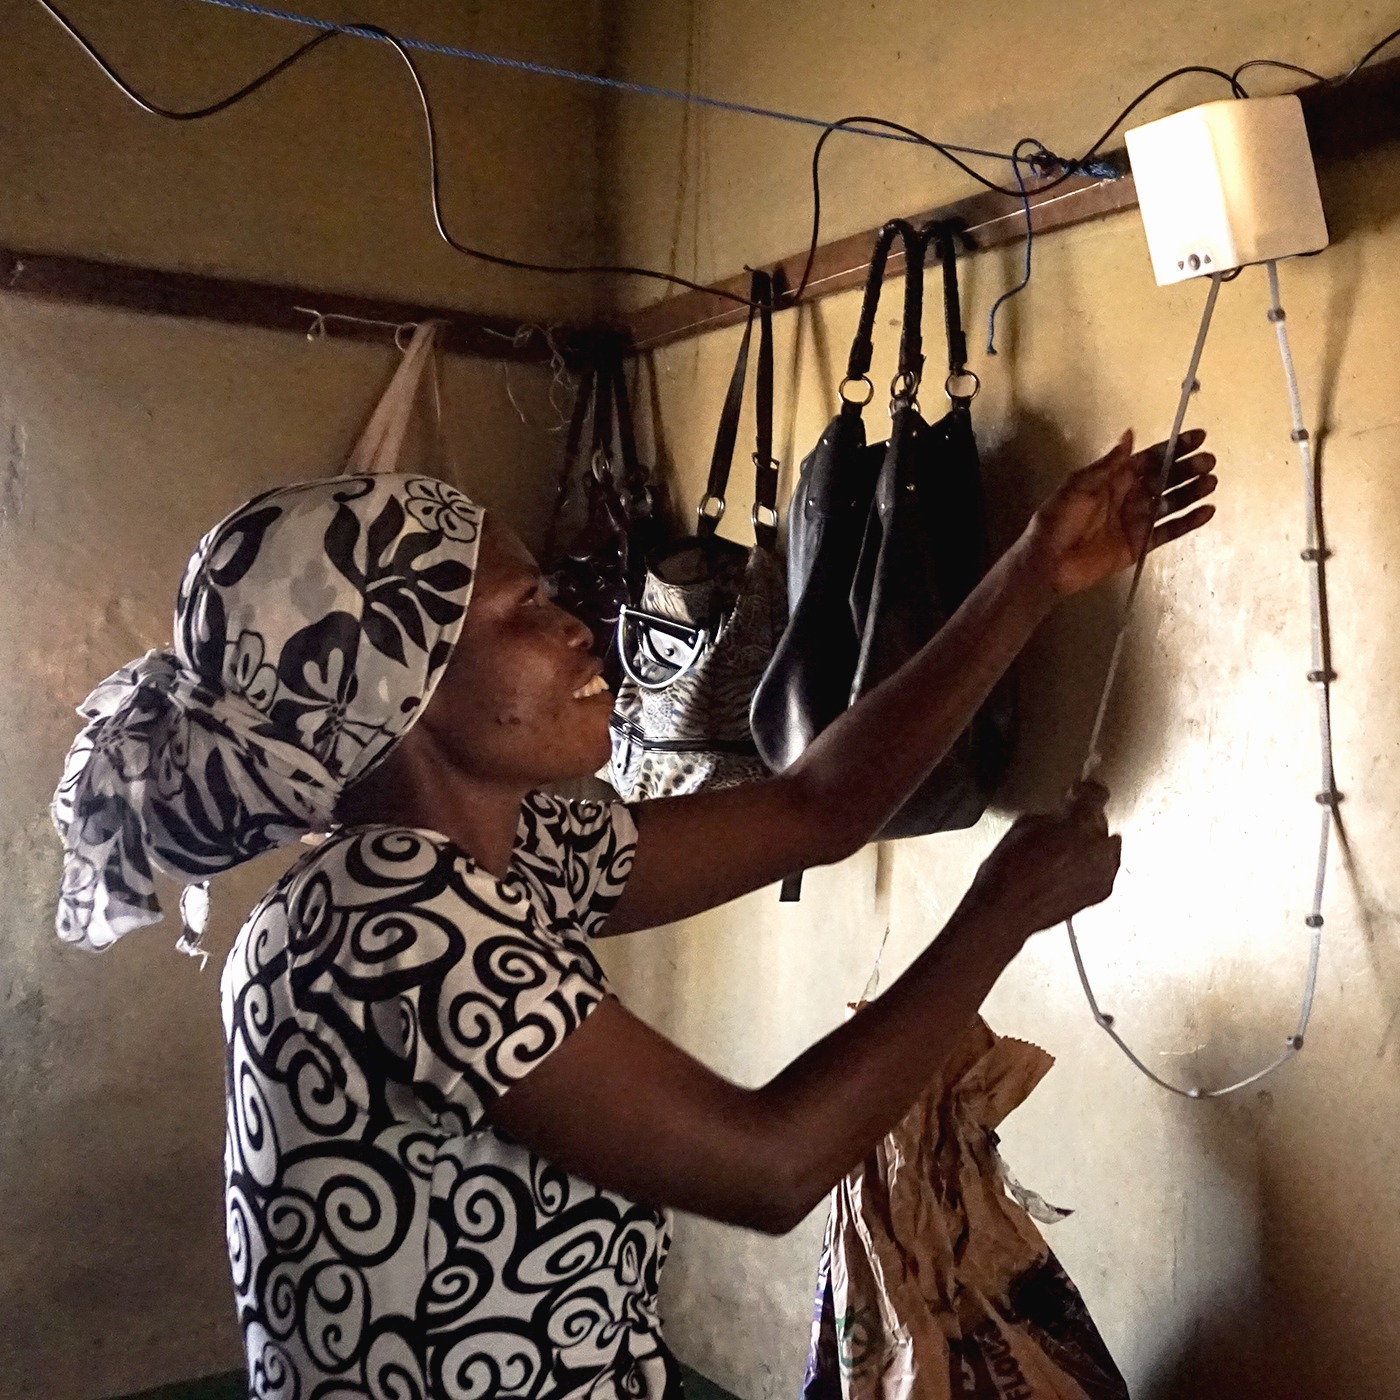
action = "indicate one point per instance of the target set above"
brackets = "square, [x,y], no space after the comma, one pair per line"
[988,219]
[1343,119]
[87,282]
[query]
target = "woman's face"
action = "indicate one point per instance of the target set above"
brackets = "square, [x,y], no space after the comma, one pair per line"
[521,701]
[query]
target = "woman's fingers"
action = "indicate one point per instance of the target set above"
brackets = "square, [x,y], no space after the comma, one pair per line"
[1142,472]
[1132,483]
[1181,525]
[1120,458]
[1184,469]
[1187,467]
[1189,442]
[1175,501]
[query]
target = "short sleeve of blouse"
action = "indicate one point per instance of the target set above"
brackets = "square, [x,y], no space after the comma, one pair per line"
[585,849]
[448,980]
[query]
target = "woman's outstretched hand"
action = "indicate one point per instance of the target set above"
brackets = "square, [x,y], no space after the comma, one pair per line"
[1095,525]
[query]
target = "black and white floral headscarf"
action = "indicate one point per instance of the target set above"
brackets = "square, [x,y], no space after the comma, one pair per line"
[311,627]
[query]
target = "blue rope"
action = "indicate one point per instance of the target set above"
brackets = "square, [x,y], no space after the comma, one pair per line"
[520,65]
[1045,161]
[1030,241]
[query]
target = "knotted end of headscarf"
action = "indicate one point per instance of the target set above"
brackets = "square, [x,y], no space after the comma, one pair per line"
[169,773]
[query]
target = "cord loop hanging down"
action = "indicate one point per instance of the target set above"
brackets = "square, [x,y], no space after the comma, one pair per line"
[1320,674]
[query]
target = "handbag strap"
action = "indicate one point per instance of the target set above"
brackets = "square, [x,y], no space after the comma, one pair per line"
[945,239]
[600,453]
[765,512]
[380,446]
[911,339]
[765,494]
[622,418]
[573,442]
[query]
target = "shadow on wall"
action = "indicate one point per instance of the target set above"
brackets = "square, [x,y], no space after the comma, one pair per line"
[1227,1353]
[1356,203]
[1060,673]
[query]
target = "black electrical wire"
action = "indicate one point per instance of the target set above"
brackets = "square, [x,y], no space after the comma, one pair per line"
[194,113]
[499,259]
[1370,53]
[1069,167]
[1350,73]
[1277,63]
[430,123]
[594,269]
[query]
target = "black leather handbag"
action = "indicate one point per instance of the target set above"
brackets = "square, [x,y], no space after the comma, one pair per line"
[606,504]
[885,543]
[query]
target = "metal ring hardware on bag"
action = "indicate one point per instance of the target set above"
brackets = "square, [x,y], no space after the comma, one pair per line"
[962,400]
[856,379]
[764,517]
[905,384]
[711,508]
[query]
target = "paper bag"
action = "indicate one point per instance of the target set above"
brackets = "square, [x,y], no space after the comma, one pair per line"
[935,1284]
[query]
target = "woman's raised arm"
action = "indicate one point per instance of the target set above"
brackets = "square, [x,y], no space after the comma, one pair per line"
[622,1107]
[700,851]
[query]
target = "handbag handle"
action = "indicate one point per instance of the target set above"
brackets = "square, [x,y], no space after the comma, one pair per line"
[603,409]
[911,339]
[765,511]
[600,452]
[694,643]
[945,237]
[380,445]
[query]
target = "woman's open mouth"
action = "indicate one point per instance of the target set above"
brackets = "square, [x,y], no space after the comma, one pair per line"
[597,686]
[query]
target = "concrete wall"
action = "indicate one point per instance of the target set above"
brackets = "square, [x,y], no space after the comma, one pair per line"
[1243,1249]
[122,438]
[1246,1248]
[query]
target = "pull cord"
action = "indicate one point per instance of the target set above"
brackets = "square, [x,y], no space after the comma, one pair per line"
[1320,675]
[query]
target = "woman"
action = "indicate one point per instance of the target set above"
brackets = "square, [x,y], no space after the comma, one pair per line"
[448,1146]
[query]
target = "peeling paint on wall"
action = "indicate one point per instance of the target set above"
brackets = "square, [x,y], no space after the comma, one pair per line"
[12,474]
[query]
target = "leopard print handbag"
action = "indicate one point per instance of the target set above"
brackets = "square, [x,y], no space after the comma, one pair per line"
[710,615]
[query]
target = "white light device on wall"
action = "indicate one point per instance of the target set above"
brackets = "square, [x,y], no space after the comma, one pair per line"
[1226,184]
[1221,186]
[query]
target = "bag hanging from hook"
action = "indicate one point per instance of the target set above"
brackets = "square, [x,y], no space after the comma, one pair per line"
[383,445]
[607,498]
[710,614]
[885,543]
